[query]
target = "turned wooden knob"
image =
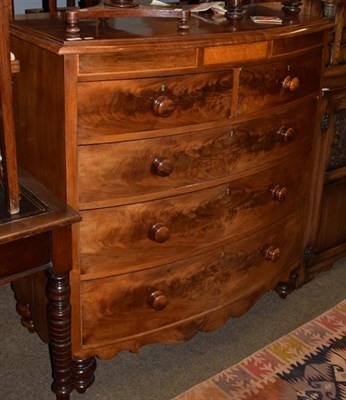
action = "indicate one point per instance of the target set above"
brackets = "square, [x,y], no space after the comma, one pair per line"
[290,84]
[162,166]
[272,253]
[278,192]
[285,134]
[159,233]
[157,300]
[163,106]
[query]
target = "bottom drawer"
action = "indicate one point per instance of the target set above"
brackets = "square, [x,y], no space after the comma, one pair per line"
[117,308]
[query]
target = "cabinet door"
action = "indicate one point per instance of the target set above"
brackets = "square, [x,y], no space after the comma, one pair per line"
[333,217]
[332,224]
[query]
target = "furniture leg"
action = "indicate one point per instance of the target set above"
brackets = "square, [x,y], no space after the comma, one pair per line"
[22,304]
[286,287]
[24,311]
[59,327]
[83,373]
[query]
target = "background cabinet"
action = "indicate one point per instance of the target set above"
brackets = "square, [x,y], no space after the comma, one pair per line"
[328,240]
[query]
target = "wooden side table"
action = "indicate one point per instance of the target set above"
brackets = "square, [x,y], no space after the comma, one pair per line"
[35,234]
[39,239]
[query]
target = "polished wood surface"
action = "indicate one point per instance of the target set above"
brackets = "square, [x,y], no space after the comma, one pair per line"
[118,173]
[9,174]
[282,83]
[142,104]
[196,221]
[333,228]
[38,240]
[35,237]
[190,157]
[328,240]
[235,270]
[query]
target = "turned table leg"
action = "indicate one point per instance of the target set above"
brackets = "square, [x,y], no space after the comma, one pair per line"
[67,374]
[59,328]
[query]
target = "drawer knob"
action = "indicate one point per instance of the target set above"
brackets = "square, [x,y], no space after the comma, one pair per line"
[290,84]
[278,192]
[159,233]
[285,134]
[163,106]
[162,166]
[272,253]
[157,300]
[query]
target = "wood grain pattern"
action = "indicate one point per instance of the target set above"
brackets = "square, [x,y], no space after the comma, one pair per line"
[111,63]
[230,54]
[332,230]
[261,86]
[38,91]
[173,165]
[287,45]
[205,322]
[116,240]
[115,309]
[127,106]
[113,174]
[328,225]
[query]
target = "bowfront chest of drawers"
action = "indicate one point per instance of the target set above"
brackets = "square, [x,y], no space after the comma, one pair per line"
[190,157]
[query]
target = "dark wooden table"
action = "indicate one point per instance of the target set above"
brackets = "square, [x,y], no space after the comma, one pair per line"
[37,241]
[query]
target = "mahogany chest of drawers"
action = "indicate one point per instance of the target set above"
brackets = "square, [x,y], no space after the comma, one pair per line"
[190,157]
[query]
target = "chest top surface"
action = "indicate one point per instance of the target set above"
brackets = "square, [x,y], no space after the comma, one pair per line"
[49,31]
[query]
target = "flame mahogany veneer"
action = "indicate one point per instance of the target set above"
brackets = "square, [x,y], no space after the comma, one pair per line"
[190,157]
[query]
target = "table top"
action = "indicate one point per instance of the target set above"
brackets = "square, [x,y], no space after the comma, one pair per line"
[51,30]
[40,211]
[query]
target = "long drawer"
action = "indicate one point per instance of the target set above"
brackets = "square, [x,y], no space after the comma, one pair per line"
[114,107]
[147,234]
[112,174]
[118,308]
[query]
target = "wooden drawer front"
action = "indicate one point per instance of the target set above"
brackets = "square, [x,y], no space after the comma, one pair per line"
[111,174]
[262,86]
[109,63]
[117,308]
[35,254]
[124,238]
[113,107]
[293,44]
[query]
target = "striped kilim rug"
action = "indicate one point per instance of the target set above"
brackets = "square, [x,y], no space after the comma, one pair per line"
[307,364]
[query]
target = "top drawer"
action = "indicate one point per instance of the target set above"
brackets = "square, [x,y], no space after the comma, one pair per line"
[116,107]
[280,82]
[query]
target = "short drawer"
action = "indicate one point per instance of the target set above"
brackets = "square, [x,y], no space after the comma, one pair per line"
[123,307]
[111,174]
[136,105]
[147,234]
[280,82]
